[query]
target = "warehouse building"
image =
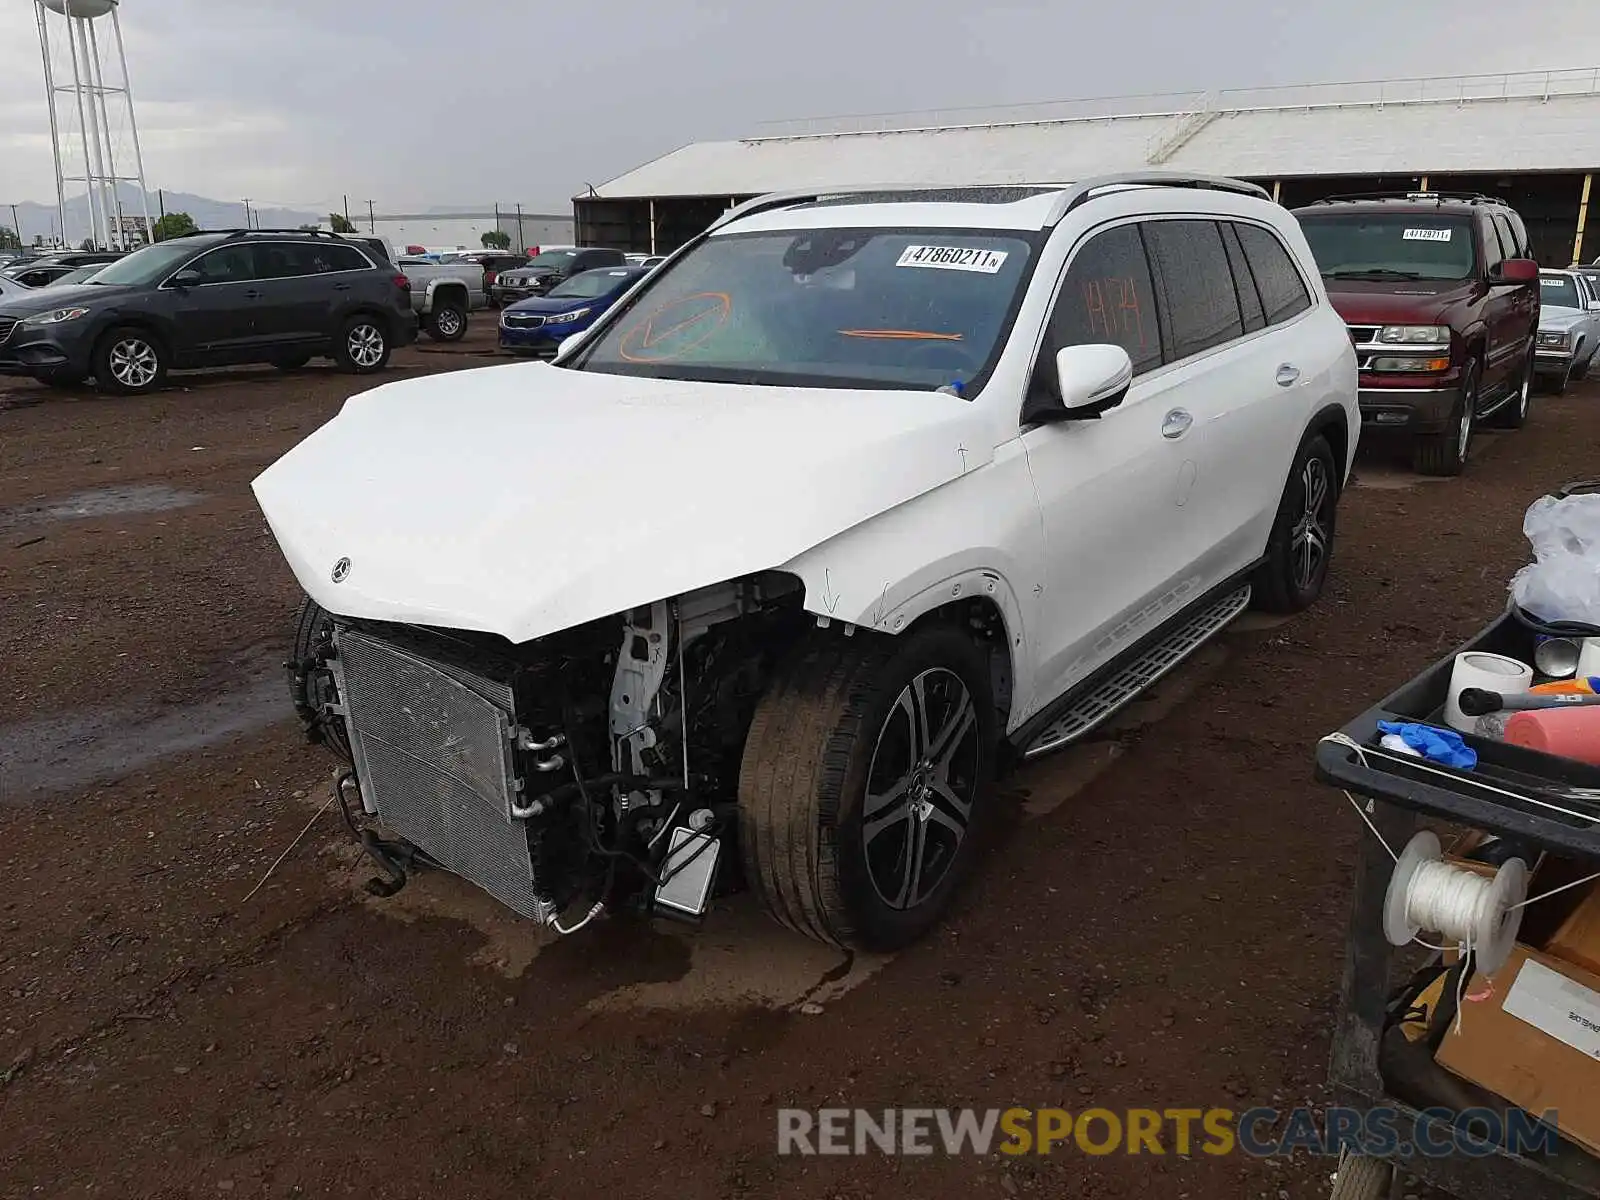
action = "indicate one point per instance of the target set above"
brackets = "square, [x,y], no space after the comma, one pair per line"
[1532,138]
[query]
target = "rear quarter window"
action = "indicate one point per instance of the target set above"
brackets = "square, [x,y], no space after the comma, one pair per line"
[1283,291]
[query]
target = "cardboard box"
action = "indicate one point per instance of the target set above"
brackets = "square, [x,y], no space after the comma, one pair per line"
[1534,1040]
[1577,939]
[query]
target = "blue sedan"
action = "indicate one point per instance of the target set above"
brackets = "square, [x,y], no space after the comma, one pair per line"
[537,325]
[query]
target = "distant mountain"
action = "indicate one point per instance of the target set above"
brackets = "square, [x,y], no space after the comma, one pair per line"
[41,220]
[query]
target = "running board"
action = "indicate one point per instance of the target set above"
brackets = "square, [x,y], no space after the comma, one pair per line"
[1104,700]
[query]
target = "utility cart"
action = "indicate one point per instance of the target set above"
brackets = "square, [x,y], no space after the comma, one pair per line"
[1530,804]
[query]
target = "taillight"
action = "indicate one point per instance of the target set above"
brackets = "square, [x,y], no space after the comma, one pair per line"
[401,282]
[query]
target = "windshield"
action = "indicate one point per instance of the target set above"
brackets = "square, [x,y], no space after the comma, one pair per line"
[150,264]
[586,285]
[1559,291]
[824,308]
[553,258]
[1391,246]
[81,275]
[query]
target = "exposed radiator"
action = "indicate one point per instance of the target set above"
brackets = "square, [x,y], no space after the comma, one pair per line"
[434,755]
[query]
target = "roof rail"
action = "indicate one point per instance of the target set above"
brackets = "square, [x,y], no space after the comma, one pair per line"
[1415,197]
[1076,193]
[232,233]
[774,200]
[1084,189]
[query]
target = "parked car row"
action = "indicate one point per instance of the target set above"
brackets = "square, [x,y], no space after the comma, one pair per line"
[212,299]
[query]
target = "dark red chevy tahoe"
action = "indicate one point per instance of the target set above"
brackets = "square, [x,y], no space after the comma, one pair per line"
[1441,294]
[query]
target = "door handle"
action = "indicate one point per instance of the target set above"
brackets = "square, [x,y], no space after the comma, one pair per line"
[1288,375]
[341,287]
[1176,423]
[252,294]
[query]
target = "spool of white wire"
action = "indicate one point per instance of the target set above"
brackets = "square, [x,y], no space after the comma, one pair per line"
[1482,915]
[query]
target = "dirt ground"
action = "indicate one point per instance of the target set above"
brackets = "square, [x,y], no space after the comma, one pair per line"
[1160,926]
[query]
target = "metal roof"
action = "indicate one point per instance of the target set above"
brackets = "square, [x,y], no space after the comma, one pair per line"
[1532,121]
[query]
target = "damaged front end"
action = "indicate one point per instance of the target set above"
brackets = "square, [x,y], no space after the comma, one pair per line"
[596,767]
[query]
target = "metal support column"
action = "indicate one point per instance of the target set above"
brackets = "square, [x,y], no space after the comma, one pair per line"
[652,226]
[1583,220]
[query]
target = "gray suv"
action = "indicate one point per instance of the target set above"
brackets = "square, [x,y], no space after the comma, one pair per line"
[211,300]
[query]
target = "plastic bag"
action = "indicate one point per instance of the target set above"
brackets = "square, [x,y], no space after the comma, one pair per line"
[1563,581]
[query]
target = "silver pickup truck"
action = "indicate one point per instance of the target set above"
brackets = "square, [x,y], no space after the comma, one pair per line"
[443,294]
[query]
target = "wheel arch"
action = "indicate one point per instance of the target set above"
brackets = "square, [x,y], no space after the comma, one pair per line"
[978,598]
[448,289]
[1333,423]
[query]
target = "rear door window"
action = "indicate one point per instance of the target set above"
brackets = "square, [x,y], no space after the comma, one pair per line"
[1283,291]
[1108,296]
[230,264]
[1200,308]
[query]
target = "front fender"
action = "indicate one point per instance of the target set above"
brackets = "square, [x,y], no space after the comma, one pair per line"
[977,537]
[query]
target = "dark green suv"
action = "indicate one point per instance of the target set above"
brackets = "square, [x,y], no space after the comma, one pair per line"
[211,300]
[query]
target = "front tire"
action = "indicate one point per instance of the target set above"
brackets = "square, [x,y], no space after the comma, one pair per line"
[1445,454]
[363,346]
[447,322]
[1300,547]
[864,782]
[130,361]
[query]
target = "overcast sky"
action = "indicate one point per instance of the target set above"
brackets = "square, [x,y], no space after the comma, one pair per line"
[413,102]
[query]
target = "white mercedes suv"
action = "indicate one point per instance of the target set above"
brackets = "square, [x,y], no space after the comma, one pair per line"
[857,498]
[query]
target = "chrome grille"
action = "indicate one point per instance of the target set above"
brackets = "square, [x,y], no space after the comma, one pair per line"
[433,753]
[7,324]
[522,321]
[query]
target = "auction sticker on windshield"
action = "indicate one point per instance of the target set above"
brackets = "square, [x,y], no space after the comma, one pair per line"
[1426,235]
[953,258]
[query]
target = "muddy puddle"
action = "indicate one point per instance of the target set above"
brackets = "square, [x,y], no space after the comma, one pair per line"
[99,502]
[69,751]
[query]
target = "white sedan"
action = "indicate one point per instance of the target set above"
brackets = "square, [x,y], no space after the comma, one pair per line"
[1569,328]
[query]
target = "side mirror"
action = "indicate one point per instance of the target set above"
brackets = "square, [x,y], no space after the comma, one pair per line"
[1091,380]
[187,279]
[1515,270]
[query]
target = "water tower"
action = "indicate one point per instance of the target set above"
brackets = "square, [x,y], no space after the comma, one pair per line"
[91,118]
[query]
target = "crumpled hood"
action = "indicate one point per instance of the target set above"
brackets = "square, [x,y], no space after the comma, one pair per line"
[525,499]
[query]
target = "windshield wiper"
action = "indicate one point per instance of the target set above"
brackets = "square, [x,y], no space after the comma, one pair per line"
[1372,273]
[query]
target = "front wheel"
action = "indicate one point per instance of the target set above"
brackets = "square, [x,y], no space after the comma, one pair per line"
[363,346]
[864,779]
[1444,454]
[1301,543]
[447,322]
[130,361]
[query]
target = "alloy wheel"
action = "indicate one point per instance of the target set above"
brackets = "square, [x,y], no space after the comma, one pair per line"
[1308,545]
[366,346]
[134,363]
[448,321]
[920,788]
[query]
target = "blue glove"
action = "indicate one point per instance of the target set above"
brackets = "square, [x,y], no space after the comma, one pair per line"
[1434,744]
